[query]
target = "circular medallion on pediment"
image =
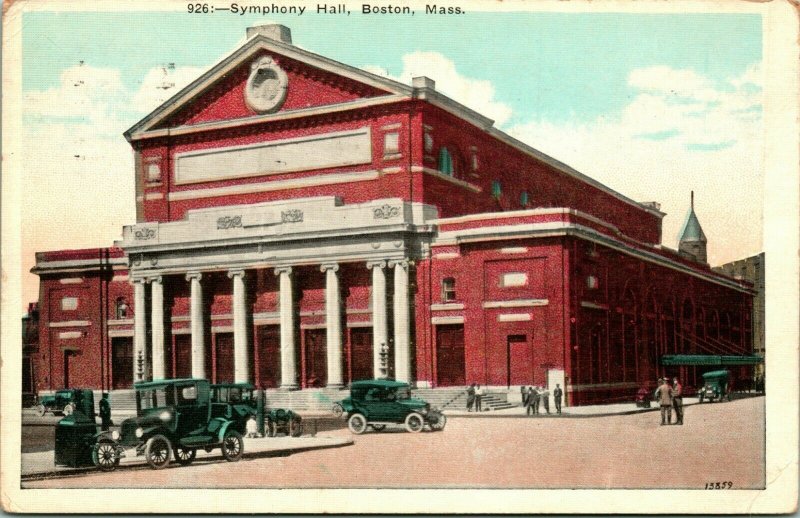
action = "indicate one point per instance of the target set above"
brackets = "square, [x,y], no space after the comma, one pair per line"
[266,87]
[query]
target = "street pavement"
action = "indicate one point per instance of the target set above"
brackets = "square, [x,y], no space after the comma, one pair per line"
[719,442]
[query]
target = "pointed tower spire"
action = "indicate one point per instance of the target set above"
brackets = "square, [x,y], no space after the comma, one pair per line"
[693,240]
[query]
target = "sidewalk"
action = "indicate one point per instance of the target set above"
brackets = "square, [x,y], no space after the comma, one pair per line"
[40,464]
[577,411]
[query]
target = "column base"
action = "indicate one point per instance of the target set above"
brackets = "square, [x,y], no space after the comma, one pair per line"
[335,386]
[293,386]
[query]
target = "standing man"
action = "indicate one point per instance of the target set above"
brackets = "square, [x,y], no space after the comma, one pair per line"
[105,413]
[664,396]
[523,393]
[478,398]
[677,401]
[529,401]
[545,397]
[557,394]
[470,397]
[535,399]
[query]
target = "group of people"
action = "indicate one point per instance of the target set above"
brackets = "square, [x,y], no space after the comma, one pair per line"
[670,397]
[533,396]
[475,397]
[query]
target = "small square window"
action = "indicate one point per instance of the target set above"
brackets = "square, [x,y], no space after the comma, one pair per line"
[428,143]
[448,289]
[153,172]
[69,303]
[391,143]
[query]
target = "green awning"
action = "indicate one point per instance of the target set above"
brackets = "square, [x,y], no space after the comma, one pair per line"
[710,359]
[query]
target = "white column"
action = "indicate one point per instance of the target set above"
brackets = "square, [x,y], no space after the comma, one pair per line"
[402,323]
[379,328]
[157,327]
[139,330]
[198,328]
[333,321]
[241,353]
[288,354]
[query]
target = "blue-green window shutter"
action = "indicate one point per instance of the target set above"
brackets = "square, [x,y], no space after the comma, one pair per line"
[445,162]
[496,189]
[523,198]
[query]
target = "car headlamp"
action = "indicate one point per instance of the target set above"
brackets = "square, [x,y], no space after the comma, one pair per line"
[139,433]
[115,435]
[423,410]
[165,416]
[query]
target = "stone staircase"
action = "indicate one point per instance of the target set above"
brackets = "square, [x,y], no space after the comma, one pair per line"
[123,401]
[456,398]
[308,400]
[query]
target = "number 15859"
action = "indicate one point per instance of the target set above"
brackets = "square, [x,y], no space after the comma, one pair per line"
[719,485]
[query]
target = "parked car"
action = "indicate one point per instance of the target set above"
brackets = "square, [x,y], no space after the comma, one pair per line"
[173,417]
[284,421]
[377,403]
[715,386]
[62,402]
[234,401]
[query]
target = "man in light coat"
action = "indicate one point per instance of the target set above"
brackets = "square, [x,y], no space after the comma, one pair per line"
[664,397]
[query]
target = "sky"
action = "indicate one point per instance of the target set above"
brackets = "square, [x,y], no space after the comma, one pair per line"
[652,105]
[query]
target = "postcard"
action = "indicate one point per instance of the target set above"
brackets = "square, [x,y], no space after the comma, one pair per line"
[400,257]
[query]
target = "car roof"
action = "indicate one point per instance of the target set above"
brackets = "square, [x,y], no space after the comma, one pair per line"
[228,385]
[378,383]
[164,383]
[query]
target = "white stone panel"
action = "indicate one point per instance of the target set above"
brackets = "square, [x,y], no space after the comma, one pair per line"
[512,279]
[282,156]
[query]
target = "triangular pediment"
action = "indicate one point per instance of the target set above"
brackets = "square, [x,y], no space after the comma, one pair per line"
[300,80]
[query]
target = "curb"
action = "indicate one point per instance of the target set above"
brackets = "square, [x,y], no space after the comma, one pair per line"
[63,473]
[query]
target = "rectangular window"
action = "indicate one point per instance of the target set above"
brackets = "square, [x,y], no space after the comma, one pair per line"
[69,303]
[513,279]
[448,289]
[497,190]
[153,172]
[391,143]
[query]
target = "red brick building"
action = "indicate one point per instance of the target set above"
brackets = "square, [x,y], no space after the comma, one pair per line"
[297,217]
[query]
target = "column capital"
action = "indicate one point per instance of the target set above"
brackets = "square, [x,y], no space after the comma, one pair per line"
[329,266]
[283,269]
[403,263]
[137,280]
[376,264]
[239,272]
[190,276]
[156,279]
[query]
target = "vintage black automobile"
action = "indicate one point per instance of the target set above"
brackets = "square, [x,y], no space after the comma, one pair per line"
[715,386]
[62,402]
[377,403]
[234,401]
[173,417]
[284,421]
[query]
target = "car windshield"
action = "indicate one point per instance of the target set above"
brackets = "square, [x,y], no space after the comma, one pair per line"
[156,398]
[64,393]
[403,393]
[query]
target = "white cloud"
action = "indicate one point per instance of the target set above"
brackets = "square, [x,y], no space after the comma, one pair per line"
[161,83]
[680,133]
[477,94]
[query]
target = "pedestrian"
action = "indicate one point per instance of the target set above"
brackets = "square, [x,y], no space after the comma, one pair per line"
[523,393]
[557,395]
[529,401]
[105,413]
[470,397]
[545,398]
[664,396]
[535,399]
[677,401]
[478,398]
[252,427]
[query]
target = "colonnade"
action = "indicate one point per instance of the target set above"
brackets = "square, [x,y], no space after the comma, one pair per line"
[288,320]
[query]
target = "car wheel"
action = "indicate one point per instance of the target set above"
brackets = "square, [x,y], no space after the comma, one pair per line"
[272,429]
[357,424]
[378,427]
[68,409]
[414,422]
[156,451]
[104,456]
[232,446]
[184,455]
[40,410]
[337,410]
[295,427]
[438,426]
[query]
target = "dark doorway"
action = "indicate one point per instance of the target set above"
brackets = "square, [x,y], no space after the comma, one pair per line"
[450,355]
[361,358]
[224,344]
[520,360]
[122,362]
[69,357]
[269,356]
[183,356]
[316,374]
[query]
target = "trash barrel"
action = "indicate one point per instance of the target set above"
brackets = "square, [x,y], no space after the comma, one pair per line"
[74,441]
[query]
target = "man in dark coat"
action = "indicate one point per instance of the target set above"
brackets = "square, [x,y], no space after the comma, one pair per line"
[557,395]
[470,397]
[677,400]
[105,413]
[534,399]
[529,401]
[523,393]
